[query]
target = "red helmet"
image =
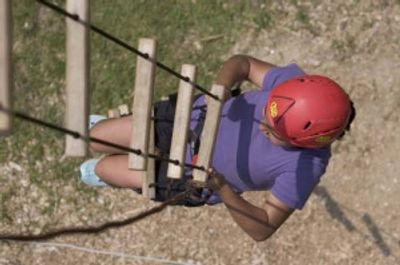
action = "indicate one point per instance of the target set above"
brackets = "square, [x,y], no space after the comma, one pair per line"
[310,111]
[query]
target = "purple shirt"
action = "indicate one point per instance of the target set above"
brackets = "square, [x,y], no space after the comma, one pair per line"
[247,158]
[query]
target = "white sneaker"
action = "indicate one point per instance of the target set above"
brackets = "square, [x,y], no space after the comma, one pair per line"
[88,176]
[93,119]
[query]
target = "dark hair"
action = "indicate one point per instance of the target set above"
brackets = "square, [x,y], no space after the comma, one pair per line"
[351,119]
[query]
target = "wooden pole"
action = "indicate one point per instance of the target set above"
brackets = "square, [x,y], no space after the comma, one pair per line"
[149,176]
[181,122]
[77,77]
[142,102]
[209,133]
[6,75]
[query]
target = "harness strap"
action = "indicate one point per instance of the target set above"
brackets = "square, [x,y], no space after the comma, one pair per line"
[195,136]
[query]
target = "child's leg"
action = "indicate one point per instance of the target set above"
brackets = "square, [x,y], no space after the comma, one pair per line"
[113,169]
[116,131]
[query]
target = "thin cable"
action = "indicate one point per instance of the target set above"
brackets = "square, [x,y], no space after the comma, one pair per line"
[88,139]
[121,43]
[106,252]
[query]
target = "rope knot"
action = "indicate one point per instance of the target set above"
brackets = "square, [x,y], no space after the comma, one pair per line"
[75,17]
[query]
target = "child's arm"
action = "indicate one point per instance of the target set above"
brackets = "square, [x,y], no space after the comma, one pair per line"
[258,223]
[241,68]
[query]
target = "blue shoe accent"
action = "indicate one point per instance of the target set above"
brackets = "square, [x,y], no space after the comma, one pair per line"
[93,119]
[88,176]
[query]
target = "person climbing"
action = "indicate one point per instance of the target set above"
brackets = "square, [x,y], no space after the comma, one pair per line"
[276,138]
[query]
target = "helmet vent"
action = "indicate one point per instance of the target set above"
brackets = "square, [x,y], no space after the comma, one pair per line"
[302,80]
[307,125]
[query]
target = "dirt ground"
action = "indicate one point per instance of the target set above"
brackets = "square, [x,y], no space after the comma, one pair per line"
[353,215]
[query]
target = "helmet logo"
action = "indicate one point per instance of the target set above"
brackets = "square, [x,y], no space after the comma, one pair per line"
[273,109]
[323,139]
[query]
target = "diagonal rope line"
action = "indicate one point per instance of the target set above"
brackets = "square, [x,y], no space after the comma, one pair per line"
[121,43]
[89,139]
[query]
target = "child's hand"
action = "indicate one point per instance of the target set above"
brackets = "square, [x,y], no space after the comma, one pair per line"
[215,180]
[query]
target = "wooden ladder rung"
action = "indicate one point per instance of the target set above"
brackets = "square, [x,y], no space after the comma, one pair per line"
[150,174]
[142,102]
[77,78]
[209,133]
[181,122]
[6,75]
[142,137]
